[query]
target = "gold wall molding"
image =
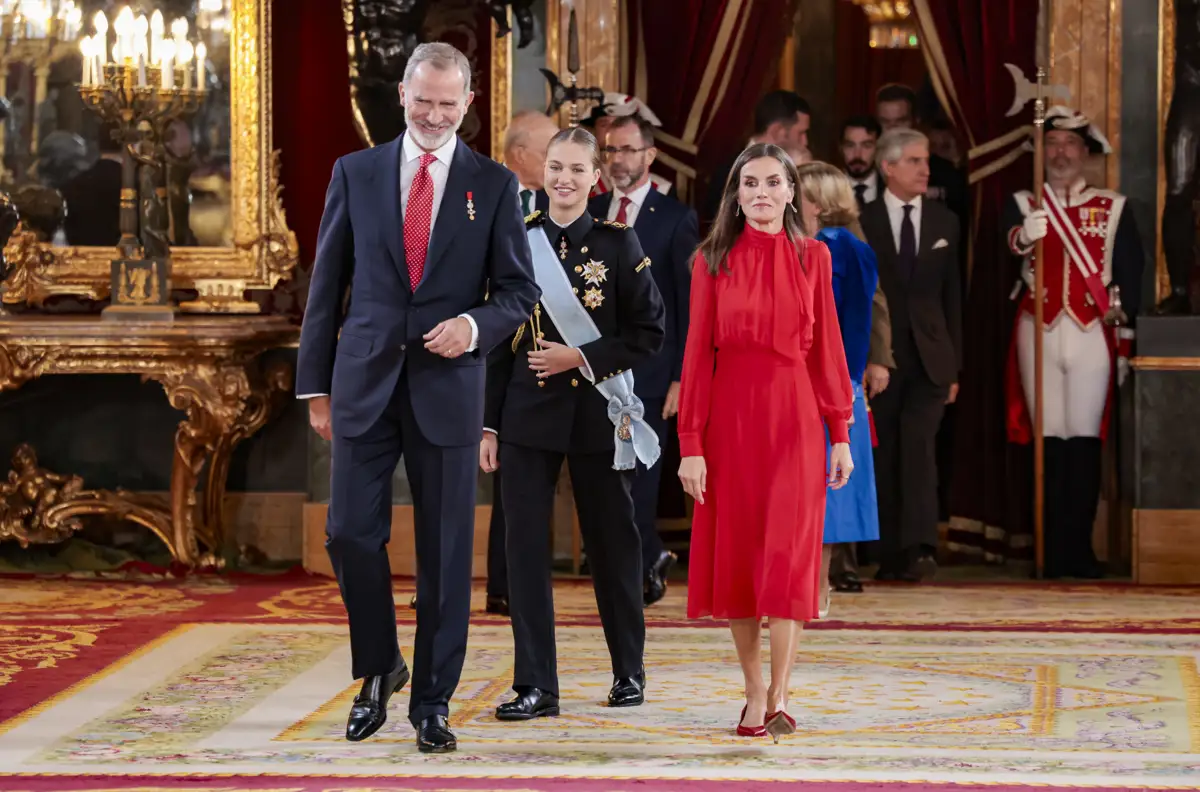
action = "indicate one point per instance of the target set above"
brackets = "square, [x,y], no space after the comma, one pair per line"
[264,250]
[600,46]
[209,368]
[501,86]
[1085,56]
[1166,86]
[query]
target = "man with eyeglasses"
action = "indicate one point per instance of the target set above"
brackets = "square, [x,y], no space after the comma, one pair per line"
[602,119]
[669,233]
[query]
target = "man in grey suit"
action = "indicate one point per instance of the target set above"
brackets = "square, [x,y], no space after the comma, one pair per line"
[916,242]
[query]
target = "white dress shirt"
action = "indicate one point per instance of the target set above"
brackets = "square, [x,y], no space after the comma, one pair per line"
[895,209]
[636,198]
[439,172]
[870,181]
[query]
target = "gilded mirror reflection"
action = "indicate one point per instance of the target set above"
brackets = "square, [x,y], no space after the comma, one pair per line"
[59,161]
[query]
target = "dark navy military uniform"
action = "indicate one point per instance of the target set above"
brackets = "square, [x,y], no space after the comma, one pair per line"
[540,422]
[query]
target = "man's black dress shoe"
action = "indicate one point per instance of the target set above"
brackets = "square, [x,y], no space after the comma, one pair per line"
[434,735]
[530,703]
[847,583]
[497,605]
[628,691]
[369,710]
[656,578]
[923,568]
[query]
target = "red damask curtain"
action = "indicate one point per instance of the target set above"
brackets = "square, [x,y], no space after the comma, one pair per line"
[701,70]
[967,44]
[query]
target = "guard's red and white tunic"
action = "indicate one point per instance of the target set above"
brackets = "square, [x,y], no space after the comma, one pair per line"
[1083,257]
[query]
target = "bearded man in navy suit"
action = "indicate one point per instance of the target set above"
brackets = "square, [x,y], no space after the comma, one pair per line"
[669,234]
[428,238]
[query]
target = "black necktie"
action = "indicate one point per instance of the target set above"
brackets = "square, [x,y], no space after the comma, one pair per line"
[907,258]
[525,196]
[860,195]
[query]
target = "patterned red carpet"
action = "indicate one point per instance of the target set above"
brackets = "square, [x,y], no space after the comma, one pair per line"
[223,684]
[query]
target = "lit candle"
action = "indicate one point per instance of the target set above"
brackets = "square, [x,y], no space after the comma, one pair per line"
[85,49]
[184,55]
[123,25]
[201,54]
[156,36]
[168,65]
[100,23]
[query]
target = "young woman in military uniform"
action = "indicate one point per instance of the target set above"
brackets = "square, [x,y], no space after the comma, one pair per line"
[562,388]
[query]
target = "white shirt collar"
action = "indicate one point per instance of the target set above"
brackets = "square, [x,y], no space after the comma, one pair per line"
[868,180]
[638,196]
[895,203]
[444,154]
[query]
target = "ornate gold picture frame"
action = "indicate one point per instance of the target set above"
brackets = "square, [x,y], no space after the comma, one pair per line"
[264,251]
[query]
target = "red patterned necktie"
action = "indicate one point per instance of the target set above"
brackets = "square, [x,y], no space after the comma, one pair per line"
[621,216]
[417,221]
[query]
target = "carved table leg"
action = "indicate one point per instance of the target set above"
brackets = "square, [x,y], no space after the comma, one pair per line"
[225,402]
[266,393]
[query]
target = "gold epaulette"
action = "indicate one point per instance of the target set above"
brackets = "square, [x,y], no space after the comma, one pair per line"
[533,216]
[642,264]
[613,224]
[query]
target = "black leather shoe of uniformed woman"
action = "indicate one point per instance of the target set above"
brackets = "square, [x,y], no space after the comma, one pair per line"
[628,691]
[369,711]
[434,735]
[530,703]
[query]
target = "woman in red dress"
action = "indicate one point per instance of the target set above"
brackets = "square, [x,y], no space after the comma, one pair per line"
[763,366]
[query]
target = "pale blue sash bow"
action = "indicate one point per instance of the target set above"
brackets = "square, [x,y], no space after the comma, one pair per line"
[633,437]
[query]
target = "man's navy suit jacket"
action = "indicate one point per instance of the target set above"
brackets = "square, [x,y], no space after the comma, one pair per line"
[355,350]
[669,234]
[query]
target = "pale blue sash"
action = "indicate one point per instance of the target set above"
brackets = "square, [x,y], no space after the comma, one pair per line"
[633,437]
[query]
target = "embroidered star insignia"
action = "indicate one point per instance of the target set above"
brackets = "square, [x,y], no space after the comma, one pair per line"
[593,298]
[594,272]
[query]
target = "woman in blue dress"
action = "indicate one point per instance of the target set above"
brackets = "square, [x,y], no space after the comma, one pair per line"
[830,214]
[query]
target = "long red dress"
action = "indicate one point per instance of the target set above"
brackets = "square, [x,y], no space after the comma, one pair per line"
[763,365]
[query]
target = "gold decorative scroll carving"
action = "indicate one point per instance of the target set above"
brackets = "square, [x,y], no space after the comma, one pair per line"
[264,250]
[210,370]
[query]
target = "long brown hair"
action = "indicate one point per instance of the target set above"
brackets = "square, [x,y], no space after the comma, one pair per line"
[831,192]
[729,223]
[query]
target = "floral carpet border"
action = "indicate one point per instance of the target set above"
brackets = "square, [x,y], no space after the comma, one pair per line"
[293,783]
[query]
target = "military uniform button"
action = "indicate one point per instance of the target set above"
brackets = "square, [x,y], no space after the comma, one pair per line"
[578,270]
[541,383]
[583,249]
[574,383]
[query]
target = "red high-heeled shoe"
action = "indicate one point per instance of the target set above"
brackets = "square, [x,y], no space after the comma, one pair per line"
[749,731]
[778,724]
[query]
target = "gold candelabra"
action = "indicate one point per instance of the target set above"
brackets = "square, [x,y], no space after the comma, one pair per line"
[139,100]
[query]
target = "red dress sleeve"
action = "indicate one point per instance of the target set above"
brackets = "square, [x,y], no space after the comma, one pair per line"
[827,357]
[699,360]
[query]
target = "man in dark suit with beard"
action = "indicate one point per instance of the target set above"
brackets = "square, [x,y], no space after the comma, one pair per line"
[669,234]
[419,230]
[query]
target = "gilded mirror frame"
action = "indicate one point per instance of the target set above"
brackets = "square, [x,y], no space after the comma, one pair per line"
[264,250]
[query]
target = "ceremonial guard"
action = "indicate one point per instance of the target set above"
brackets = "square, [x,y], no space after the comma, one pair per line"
[1093,274]
[619,105]
[561,387]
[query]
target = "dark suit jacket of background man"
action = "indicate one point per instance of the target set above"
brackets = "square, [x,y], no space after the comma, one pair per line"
[926,318]
[669,235]
[391,396]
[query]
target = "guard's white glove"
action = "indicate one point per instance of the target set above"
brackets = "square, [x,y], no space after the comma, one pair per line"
[1122,370]
[1033,229]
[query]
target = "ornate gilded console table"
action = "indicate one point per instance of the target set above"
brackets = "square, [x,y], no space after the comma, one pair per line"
[209,367]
